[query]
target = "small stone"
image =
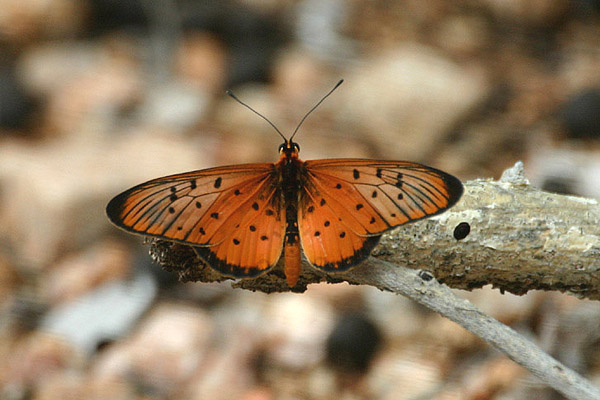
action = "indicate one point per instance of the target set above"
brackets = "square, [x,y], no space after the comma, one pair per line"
[515,175]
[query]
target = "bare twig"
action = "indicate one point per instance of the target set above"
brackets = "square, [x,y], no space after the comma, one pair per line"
[440,298]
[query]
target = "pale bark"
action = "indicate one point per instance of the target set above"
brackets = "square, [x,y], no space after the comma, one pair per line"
[521,238]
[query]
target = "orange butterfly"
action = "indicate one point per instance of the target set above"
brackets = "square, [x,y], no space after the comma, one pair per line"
[240,218]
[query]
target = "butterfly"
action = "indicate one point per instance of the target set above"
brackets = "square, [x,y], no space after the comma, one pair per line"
[240,219]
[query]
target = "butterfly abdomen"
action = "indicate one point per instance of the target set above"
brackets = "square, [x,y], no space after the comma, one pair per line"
[292,257]
[293,261]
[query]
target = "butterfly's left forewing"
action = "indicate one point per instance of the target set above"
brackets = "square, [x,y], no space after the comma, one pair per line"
[358,200]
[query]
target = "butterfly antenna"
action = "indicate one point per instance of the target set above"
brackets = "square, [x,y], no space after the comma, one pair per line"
[230,93]
[316,105]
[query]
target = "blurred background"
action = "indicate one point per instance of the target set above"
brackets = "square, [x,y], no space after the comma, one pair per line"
[99,95]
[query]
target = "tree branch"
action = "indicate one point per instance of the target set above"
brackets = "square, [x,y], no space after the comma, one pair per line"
[520,239]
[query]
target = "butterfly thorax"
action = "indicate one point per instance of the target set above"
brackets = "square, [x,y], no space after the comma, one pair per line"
[289,169]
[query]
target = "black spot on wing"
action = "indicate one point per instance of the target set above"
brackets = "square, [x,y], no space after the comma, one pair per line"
[218,182]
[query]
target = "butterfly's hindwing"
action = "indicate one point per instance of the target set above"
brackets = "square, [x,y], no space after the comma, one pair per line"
[329,243]
[253,242]
[253,247]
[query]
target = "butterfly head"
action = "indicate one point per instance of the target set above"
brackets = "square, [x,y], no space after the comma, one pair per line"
[289,149]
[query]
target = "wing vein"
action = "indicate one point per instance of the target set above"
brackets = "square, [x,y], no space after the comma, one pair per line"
[425,183]
[175,218]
